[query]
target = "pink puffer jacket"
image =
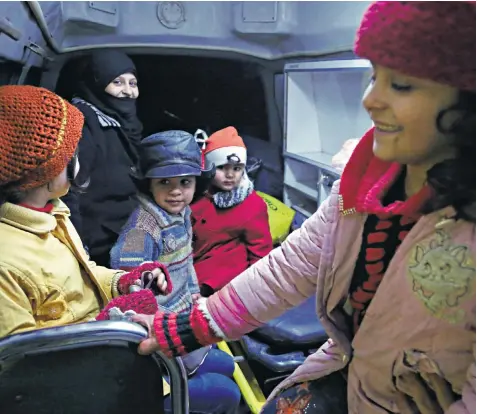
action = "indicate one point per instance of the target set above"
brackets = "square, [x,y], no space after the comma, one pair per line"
[421,322]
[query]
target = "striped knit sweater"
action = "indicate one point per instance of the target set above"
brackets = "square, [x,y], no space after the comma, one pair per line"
[152,234]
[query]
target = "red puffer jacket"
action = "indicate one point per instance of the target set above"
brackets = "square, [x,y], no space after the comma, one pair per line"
[227,241]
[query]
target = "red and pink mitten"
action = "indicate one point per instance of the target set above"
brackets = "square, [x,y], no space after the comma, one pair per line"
[142,301]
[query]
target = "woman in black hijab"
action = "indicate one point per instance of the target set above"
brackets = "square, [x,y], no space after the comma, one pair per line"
[107,99]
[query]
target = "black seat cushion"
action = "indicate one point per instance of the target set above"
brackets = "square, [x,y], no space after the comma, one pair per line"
[298,328]
[99,380]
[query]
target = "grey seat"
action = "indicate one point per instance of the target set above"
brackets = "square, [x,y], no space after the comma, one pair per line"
[84,369]
[283,343]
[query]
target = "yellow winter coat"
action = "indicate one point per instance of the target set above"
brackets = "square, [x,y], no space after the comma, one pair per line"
[46,277]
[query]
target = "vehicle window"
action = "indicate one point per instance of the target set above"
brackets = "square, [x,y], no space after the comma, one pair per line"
[209,93]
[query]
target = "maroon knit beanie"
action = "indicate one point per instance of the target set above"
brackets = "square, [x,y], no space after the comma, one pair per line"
[427,39]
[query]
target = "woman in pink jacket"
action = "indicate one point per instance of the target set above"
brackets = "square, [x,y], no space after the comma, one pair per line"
[390,255]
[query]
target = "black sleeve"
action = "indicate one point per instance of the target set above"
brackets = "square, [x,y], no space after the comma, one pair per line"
[87,152]
[89,143]
[72,201]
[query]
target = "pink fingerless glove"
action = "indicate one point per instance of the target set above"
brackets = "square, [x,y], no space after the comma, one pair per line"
[129,279]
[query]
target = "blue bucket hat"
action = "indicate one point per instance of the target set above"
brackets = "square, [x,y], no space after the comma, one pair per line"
[169,154]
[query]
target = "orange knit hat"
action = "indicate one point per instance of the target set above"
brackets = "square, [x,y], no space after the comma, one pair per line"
[39,133]
[224,147]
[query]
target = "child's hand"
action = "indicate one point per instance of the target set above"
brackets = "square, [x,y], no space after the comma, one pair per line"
[196,297]
[156,278]
[149,275]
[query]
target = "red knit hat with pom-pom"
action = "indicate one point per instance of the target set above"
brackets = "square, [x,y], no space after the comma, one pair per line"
[427,39]
[224,147]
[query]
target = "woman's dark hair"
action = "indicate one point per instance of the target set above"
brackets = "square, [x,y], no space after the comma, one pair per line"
[453,180]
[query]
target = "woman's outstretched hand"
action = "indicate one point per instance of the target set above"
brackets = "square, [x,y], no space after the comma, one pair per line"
[176,334]
[149,345]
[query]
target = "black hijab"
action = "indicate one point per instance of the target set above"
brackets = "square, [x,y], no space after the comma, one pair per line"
[104,66]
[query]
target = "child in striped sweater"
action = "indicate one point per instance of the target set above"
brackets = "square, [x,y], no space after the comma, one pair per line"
[160,230]
[160,227]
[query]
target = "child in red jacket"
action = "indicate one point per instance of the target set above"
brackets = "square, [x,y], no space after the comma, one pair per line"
[230,222]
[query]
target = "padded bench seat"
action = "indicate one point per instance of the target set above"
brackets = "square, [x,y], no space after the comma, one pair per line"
[297,329]
[283,343]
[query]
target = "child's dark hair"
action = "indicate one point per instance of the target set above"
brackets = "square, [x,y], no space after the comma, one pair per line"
[78,183]
[203,184]
[11,194]
[453,180]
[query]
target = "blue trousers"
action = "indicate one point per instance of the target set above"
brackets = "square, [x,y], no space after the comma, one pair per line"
[211,389]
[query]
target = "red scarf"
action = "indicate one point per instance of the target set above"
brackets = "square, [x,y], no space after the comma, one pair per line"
[47,209]
[366,180]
